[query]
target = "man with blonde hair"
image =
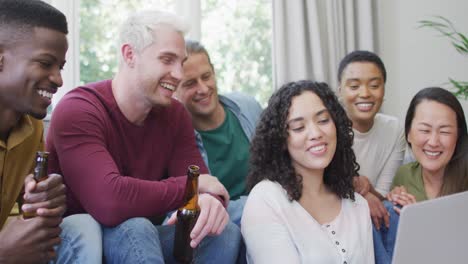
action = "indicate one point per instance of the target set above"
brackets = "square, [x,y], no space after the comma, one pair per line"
[124,145]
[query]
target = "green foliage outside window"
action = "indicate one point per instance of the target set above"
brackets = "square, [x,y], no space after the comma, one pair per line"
[99,24]
[237,34]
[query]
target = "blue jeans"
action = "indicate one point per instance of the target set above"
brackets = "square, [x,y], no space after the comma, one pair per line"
[384,238]
[137,240]
[81,240]
[235,209]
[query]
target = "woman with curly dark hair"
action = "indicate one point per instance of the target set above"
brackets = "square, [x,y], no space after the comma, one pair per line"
[302,207]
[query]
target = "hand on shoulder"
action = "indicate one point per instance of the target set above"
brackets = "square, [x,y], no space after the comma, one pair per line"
[361,184]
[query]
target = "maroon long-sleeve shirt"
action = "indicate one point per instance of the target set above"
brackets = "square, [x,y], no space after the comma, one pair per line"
[113,169]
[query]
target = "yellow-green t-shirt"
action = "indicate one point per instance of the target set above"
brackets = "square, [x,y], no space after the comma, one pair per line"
[17,156]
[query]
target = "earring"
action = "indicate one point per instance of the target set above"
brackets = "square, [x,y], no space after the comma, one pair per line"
[340,99]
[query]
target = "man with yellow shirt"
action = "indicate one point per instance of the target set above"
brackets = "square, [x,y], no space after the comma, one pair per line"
[33,45]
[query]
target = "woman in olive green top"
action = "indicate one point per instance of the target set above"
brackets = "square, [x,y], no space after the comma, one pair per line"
[436,131]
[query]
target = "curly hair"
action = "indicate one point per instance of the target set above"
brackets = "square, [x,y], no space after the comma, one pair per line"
[270,158]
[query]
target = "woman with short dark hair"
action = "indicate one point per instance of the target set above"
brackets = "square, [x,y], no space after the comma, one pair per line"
[379,143]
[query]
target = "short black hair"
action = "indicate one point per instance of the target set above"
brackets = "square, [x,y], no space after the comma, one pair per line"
[27,14]
[362,56]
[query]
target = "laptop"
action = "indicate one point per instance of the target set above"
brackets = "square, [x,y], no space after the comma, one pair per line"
[433,232]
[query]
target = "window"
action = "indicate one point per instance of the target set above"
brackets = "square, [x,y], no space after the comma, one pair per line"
[99,25]
[238,36]
[236,33]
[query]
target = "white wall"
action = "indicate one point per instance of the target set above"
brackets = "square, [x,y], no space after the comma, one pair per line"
[415,57]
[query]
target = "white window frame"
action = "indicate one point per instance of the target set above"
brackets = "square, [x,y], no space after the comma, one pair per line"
[71,72]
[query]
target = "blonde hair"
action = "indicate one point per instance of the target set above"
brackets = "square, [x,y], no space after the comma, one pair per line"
[138,29]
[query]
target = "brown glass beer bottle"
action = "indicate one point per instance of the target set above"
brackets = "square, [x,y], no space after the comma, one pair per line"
[187,216]
[40,174]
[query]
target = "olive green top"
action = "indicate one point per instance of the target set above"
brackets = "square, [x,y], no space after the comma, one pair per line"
[410,176]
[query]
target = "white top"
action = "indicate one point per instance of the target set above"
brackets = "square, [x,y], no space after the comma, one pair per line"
[277,230]
[380,151]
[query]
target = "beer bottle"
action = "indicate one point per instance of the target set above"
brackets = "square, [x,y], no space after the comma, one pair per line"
[187,216]
[40,174]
